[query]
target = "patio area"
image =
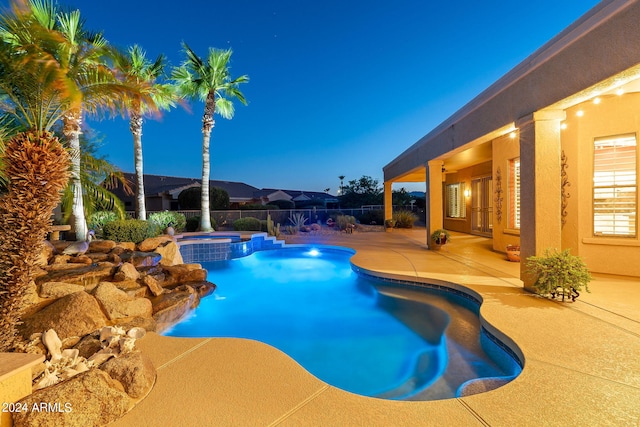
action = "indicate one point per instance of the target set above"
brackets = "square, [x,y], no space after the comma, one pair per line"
[581,359]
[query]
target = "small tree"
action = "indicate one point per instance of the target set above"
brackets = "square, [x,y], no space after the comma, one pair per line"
[558,273]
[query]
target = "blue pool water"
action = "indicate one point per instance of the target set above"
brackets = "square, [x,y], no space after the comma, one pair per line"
[347,330]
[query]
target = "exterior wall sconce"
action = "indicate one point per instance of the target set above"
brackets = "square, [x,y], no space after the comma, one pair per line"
[467,193]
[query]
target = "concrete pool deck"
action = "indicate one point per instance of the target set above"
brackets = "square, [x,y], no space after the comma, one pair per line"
[582,359]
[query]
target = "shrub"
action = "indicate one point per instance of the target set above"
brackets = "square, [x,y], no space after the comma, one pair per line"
[258,207]
[405,219]
[131,230]
[372,217]
[193,223]
[558,273]
[246,224]
[297,220]
[191,198]
[97,220]
[345,221]
[162,220]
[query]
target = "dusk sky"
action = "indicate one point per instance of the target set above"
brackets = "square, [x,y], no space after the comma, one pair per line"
[337,87]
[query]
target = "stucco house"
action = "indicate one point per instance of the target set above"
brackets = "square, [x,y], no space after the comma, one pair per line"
[300,198]
[547,156]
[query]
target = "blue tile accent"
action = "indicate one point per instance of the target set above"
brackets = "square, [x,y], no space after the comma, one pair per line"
[211,250]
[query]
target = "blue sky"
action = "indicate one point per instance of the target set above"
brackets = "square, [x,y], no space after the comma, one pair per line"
[337,87]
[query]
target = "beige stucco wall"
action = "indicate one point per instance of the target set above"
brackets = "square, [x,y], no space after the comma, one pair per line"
[615,115]
[504,149]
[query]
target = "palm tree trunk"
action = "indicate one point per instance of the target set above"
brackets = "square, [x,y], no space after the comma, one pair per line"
[135,125]
[71,130]
[207,127]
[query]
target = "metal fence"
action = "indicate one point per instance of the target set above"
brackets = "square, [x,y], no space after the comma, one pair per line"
[313,215]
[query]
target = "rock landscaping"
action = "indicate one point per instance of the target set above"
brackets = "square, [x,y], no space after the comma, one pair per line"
[79,311]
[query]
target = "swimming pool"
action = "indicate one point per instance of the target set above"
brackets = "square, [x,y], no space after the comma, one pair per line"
[354,332]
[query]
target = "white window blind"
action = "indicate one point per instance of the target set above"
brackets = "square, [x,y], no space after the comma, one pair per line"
[456,206]
[514,193]
[615,186]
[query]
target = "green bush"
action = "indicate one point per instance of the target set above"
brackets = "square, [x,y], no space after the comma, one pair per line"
[130,230]
[193,223]
[345,221]
[97,220]
[162,220]
[405,219]
[247,224]
[558,273]
[258,207]
[191,198]
[372,217]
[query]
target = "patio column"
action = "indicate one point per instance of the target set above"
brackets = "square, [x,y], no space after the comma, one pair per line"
[433,197]
[540,185]
[388,200]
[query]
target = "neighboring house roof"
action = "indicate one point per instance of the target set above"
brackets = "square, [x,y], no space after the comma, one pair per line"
[156,185]
[296,195]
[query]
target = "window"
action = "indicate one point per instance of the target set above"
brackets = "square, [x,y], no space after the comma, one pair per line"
[456,206]
[514,193]
[615,186]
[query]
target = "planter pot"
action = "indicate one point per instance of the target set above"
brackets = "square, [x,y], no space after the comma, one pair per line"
[437,246]
[513,253]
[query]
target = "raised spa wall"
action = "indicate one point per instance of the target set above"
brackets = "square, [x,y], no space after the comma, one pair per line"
[221,249]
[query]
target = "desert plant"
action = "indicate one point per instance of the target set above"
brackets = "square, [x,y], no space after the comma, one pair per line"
[297,220]
[389,223]
[130,230]
[36,166]
[440,236]
[290,229]
[246,224]
[405,219]
[558,274]
[98,219]
[162,220]
[345,222]
[272,229]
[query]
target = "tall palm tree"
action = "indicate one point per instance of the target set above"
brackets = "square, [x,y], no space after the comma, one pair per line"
[136,70]
[72,79]
[341,177]
[209,81]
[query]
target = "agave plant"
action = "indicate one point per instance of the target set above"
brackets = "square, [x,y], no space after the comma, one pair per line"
[297,220]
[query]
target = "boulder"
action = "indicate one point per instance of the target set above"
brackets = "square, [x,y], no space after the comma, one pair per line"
[168,308]
[87,276]
[126,246]
[153,285]
[117,304]
[202,288]
[74,315]
[152,243]
[88,346]
[134,371]
[126,272]
[60,259]
[148,323]
[80,259]
[170,252]
[177,274]
[99,256]
[103,246]
[91,398]
[58,289]
[141,259]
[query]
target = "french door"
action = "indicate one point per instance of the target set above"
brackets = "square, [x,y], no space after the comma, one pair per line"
[482,206]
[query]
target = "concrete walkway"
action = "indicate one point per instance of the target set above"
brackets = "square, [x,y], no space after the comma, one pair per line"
[582,359]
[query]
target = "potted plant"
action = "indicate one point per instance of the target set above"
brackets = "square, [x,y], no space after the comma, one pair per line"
[389,224]
[559,274]
[440,237]
[513,253]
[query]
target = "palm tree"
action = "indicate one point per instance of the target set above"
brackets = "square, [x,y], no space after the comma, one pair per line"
[209,81]
[137,71]
[341,177]
[71,79]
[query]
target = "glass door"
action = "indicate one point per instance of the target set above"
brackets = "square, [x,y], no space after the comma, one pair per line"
[482,206]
